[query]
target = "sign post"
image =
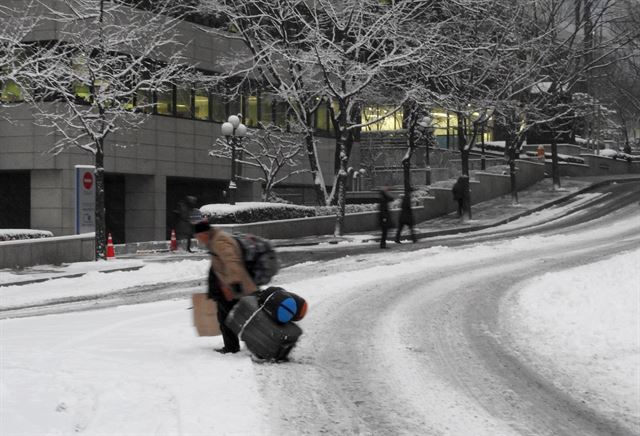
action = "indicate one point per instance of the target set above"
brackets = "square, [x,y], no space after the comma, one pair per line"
[85,190]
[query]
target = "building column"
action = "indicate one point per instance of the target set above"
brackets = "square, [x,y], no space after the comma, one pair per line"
[48,211]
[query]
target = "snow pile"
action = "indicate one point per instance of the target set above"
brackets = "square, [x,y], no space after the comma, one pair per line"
[16,234]
[581,328]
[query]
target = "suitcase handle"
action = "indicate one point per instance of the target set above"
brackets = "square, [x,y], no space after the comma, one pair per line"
[246,323]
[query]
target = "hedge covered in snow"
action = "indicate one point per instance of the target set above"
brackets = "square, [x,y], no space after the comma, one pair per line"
[18,234]
[252,212]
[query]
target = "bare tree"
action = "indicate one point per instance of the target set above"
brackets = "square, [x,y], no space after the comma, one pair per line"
[357,45]
[19,52]
[273,151]
[114,57]
[276,58]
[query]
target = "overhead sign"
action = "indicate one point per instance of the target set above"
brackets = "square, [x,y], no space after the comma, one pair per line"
[85,190]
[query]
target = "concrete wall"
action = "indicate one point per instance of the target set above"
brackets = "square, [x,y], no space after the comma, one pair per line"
[47,251]
[484,187]
[567,169]
[602,166]
[570,149]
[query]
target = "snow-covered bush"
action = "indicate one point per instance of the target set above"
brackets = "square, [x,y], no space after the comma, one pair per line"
[17,234]
[614,154]
[561,157]
[252,212]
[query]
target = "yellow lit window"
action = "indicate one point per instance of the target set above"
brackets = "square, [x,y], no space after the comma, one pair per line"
[390,122]
[266,109]
[251,115]
[183,101]
[202,104]
[11,92]
[81,91]
[322,118]
[164,103]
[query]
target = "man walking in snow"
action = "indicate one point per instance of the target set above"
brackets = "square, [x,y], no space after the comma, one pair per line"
[229,280]
[406,218]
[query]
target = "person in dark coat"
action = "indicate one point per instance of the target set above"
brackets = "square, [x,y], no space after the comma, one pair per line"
[195,216]
[182,222]
[229,280]
[406,218]
[384,218]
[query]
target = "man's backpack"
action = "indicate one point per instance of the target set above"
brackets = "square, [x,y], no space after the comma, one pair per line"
[260,258]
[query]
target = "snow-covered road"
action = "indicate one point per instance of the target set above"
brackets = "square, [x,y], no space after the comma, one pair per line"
[443,340]
[417,347]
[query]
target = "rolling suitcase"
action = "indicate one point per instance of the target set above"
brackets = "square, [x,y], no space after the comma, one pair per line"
[265,338]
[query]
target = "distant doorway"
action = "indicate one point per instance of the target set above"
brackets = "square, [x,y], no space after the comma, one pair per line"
[114,196]
[206,191]
[15,200]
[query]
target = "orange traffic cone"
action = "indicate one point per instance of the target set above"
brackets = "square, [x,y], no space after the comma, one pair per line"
[111,252]
[173,246]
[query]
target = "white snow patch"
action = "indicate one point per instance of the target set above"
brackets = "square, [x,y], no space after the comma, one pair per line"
[583,326]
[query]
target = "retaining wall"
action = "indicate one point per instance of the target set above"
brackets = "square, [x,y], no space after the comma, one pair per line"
[47,251]
[484,186]
[604,166]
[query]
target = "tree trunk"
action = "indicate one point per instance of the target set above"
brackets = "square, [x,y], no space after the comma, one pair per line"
[464,162]
[512,173]
[318,179]
[555,172]
[101,222]
[345,143]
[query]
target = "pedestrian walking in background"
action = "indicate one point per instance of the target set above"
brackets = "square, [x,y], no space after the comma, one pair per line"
[229,280]
[406,218]
[183,226]
[384,218]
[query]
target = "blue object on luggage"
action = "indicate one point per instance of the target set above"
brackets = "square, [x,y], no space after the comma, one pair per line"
[287,310]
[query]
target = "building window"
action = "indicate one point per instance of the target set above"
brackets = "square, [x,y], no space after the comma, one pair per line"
[235,107]
[266,108]
[183,101]
[11,92]
[201,108]
[81,89]
[390,122]
[281,114]
[164,100]
[322,118]
[218,108]
[144,100]
[251,113]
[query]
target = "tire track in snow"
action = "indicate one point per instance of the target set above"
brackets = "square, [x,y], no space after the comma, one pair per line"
[402,357]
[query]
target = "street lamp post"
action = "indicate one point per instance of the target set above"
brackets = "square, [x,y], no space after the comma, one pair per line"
[426,123]
[233,130]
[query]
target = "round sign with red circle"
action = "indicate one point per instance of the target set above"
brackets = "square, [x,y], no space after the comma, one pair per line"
[87,180]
